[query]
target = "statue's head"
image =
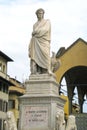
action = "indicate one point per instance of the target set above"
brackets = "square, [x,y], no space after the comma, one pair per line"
[40,13]
[9,114]
[40,10]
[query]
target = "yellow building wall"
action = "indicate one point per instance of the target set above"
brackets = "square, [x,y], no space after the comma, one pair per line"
[15,110]
[75,107]
[66,106]
[74,56]
[15,91]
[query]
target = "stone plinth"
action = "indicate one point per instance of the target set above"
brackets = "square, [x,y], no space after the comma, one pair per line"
[42,85]
[39,105]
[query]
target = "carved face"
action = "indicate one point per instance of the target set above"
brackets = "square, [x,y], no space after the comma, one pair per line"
[40,15]
[9,115]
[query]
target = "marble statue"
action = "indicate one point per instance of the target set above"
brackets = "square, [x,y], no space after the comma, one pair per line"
[60,122]
[55,63]
[71,123]
[10,123]
[39,47]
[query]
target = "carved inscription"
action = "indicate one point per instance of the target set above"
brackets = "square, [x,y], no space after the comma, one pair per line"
[35,116]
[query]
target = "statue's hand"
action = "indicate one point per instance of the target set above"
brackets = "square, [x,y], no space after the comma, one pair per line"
[33,34]
[29,52]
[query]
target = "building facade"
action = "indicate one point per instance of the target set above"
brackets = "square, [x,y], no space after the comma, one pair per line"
[4,87]
[74,70]
[16,90]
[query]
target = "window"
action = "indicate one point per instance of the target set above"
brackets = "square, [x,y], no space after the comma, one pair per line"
[4,87]
[1,105]
[0,124]
[3,68]
[5,104]
[0,66]
[11,104]
[1,87]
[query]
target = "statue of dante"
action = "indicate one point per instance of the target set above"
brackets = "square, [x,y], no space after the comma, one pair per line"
[39,47]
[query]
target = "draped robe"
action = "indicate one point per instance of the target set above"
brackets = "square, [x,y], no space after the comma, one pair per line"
[39,47]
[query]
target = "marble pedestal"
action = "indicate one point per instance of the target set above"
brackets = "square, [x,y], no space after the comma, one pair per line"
[39,105]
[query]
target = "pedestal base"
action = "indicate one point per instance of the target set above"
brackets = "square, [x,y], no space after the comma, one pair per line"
[39,105]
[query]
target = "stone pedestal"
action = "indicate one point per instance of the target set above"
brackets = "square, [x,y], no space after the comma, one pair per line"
[39,105]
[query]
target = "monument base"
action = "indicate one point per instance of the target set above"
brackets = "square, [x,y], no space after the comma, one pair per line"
[40,104]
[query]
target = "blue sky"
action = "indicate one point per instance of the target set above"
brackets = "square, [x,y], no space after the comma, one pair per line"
[68,22]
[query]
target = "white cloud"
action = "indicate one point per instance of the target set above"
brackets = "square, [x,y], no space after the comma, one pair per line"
[68,19]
